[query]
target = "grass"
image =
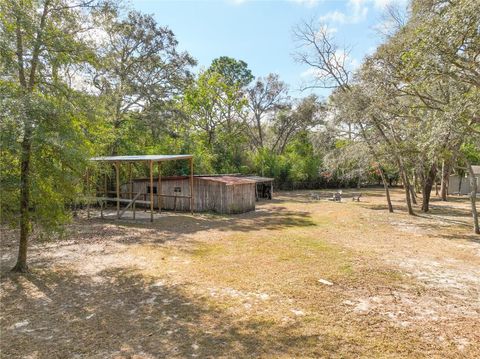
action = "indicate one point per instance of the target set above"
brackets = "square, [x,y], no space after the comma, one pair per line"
[248,286]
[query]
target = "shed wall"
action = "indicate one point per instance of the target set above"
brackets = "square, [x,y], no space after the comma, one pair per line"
[208,195]
[241,198]
[454,185]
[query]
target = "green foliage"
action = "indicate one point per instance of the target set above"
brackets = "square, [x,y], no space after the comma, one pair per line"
[213,107]
[43,110]
[298,163]
[106,82]
[234,72]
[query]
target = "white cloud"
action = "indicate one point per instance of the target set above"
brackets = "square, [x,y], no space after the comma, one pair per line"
[371,50]
[382,4]
[307,3]
[311,72]
[94,34]
[334,16]
[357,12]
[237,2]
[351,64]
[328,30]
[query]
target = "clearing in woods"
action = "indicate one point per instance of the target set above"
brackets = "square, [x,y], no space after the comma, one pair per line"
[296,278]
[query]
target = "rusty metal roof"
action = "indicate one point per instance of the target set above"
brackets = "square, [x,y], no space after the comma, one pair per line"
[155,158]
[259,179]
[228,180]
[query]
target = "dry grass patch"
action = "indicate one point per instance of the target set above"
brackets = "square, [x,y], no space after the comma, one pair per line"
[296,278]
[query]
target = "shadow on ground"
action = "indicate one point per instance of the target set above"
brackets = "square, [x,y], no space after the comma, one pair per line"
[59,314]
[172,227]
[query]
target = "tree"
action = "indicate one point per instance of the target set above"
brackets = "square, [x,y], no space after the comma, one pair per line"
[234,72]
[433,67]
[214,107]
[265,97]
[350,161]
[290,122]
[317,49]
[40,40]
[139,72]
[329,64]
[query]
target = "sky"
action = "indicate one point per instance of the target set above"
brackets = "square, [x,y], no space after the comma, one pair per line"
[259,32]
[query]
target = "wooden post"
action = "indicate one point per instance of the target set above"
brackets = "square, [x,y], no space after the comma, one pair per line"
[130,179]
[117,175]
[88,193]
[151,191]
[159,187]
[105,191]
[105,194]
[191,185]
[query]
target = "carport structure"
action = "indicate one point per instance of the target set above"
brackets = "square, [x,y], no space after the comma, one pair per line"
[133,198]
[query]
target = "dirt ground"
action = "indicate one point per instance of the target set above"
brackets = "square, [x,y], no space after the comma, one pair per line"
[296,278]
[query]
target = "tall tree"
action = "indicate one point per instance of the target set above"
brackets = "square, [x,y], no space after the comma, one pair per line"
[139,71]
[289,122]
[213,108]
[331,69]
[40,39]
[265,97]
[234,72]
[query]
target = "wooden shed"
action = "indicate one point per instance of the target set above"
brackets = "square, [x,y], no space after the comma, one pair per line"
[221,194]
[461,184]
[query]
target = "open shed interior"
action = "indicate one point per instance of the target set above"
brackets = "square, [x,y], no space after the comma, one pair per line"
[127,195]
[218,193]
[225,194]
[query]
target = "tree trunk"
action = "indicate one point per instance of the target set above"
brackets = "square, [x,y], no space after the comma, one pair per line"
[382,175]
[413,194]
[406,186]
[444,183]
[387,191]
[473,198]
[400,165]
[427,187]
[259,129]
[21,265]
[415,183]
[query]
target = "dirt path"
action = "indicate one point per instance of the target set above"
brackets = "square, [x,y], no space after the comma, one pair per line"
[296,278]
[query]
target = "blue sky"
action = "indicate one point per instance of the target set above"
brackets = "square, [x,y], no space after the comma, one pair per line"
[260,32]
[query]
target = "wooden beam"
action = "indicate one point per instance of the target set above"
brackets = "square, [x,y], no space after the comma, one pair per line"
[88,192]
[191,185]
[159,187]
[105,187]
[151,191]
[130,203]
[130,179]
[117,178]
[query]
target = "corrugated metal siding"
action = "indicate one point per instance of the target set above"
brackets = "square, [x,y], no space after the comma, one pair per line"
[454,185]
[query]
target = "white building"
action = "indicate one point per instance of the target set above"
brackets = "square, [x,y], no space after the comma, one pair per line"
[461,185]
